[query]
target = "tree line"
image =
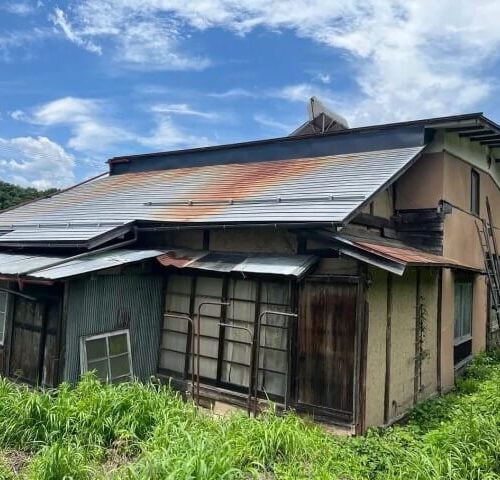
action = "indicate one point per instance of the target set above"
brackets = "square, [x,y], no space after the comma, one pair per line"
[11,195]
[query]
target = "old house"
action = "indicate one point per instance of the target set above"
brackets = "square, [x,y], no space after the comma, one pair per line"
[340,273]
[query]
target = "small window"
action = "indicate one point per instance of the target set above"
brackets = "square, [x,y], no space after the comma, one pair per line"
[108,355]
[3,315]
[463,319]
[474,192]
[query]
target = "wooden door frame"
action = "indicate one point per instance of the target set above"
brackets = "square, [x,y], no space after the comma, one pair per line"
[45,299]
[360,353]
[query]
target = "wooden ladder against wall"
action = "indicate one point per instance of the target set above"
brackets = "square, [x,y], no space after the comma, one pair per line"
[489,247]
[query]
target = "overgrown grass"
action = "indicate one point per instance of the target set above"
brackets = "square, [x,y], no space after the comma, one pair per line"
[134,431]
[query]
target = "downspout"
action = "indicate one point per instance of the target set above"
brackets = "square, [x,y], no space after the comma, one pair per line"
[77,257]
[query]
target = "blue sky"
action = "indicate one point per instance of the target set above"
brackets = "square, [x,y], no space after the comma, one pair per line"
[83,81]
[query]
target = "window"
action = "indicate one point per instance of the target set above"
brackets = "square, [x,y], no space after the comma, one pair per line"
[225,352]
[3,315]
[474,192]
[109,355]
[463,319]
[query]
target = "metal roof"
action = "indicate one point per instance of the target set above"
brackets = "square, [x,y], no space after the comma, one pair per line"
[289,265]
[93,263]
[16,264]
[393,258]
[90,235]
[314,189]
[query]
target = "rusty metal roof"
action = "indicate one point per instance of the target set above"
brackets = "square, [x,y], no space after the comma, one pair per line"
[288,265]
[316,189]
[39,266]
[394,258]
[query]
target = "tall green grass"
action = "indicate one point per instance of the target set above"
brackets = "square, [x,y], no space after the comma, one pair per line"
[135,431]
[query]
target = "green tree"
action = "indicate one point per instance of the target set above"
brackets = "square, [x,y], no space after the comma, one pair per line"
[11,195]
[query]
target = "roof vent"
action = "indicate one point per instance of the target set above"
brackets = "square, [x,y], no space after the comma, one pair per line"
[321,120]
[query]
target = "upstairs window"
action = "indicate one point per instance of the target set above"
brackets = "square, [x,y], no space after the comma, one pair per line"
[108,355]
[474,192]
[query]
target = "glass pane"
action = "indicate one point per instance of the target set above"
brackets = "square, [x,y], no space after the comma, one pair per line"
[101,368]
[96,348]
[118,344]
[119,366]
[172,361]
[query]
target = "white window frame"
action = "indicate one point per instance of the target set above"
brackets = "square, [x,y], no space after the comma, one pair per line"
[107,335]
[3,330]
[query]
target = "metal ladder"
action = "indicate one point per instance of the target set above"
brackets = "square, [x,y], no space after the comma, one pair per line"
[489,247]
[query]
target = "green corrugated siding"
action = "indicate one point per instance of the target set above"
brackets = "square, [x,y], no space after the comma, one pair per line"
[99,304]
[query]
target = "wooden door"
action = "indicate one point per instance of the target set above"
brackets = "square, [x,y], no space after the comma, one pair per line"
[326,346]
[33,346]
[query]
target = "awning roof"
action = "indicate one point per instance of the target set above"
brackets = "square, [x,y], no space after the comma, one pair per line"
[288,265]
[61,235]
[52,268]
[57,268]
[391,257]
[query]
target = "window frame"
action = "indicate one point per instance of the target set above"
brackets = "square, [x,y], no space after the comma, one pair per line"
[5,314]
[223,340]
[475,192]
[83,352]
[459,342]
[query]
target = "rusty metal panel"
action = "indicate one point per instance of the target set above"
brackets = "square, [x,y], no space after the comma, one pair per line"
[309,189]
[105,303]
[326,346]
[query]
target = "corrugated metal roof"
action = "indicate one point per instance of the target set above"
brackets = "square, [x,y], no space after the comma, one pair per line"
[292,265]
[16,264]
[59,233]
[93,263]
[319,189]
[394,258]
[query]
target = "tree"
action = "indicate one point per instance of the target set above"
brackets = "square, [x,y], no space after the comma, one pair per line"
[11,195]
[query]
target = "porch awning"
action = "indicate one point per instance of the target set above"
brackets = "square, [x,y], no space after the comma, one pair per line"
[288,265]
[393,257]
[57,268]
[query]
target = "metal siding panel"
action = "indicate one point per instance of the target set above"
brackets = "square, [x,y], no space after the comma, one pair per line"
[105,303]
[270,191]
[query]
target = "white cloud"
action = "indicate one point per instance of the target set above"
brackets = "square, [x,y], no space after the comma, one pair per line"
[273,124]
[167,136]
[234,92]
[182,109]
[19,8]
[141,38]
[91,130]
[410,57]
[59,19]
[35,161]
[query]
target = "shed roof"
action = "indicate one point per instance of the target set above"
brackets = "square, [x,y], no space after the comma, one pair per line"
[318,189]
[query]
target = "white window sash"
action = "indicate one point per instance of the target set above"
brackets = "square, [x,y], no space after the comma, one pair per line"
[108,357]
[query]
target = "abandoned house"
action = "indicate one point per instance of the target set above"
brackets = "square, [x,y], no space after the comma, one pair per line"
[339,272]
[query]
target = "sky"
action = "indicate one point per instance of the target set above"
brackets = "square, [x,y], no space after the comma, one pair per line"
[83,81]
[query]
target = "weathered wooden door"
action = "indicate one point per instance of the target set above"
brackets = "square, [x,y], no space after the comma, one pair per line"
[33,347]
[326,346]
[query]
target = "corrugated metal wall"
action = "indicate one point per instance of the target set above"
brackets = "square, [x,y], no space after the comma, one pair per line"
[103,303]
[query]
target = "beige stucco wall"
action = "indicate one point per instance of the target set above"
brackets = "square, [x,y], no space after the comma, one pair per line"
[402,355]
[253,240]
[422,185]
[429,289]
[447,329]
[479,314]
[375,369]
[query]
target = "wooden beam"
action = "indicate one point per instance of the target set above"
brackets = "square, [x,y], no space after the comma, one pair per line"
[465,129]
[491,136]
[418,351]
[476,132]
[388,339]
[495,142]
[439,326]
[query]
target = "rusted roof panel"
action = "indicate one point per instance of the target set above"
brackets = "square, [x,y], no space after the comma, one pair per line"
[288,265]
[318,189]
[395,257]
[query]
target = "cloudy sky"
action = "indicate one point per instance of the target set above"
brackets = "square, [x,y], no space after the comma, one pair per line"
[82,81]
